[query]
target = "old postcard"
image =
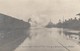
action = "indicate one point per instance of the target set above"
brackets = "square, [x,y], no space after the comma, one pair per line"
[39,25]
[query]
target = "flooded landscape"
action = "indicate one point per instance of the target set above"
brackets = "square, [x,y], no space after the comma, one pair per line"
[39,25]
[50,39]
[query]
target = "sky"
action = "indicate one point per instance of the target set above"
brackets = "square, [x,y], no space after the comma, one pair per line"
[41,11]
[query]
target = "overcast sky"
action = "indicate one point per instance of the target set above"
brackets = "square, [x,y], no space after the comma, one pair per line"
[40,10]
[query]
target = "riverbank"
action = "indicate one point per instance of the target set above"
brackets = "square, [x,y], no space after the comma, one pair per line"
[9,40]
[12,32]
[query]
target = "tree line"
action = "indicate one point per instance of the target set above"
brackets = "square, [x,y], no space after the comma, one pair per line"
[70,23]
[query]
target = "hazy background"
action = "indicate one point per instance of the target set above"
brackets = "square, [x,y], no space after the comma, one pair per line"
[41,10]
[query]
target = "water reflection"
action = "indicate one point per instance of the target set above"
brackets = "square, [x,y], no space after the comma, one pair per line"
[44,37]
[11,39]
[72,35]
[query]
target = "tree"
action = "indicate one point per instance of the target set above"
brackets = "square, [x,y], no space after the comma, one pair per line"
[78,14]
[59,21]
[75,18]
[29,19]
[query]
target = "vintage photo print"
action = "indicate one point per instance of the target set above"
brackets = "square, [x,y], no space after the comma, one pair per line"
[39,25]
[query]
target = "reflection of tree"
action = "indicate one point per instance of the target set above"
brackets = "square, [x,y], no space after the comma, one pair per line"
[60,32]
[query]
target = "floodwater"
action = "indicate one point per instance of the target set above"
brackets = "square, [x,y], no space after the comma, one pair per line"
[50,39]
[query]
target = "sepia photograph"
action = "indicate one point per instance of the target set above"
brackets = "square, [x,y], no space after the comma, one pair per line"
[39,25]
